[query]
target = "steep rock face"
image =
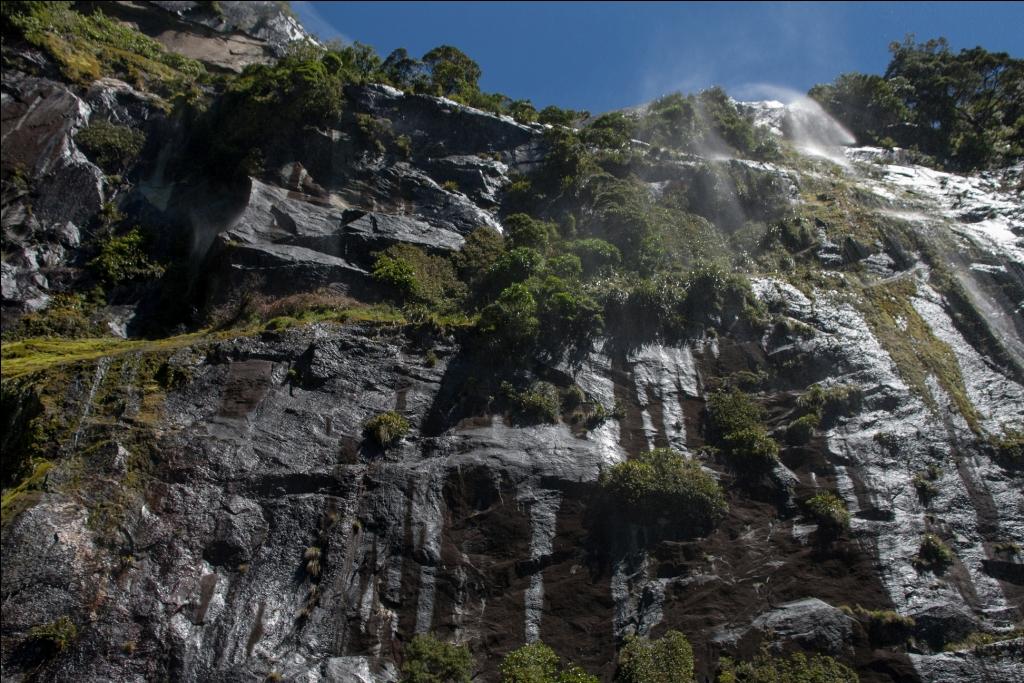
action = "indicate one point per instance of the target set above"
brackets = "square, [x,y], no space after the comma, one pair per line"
[209,508]
[229,35]
[40,118]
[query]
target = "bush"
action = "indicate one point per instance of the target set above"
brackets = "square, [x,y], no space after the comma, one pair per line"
[67,316]
[566,267]
[415,276]
[523,111]
[54,637]
[933,555]
[396,274]
[731,411]
[538,663]
[483,247]
[557,116]
[697,123]
[666,660]
[429,660]
[609,131]
[88,46]
[796,668]
[924,483]
[718,298]
[514,266]
[750,450]
[829,511]
[800,430]
[537,404]
[524,231]
[510,323]
[122,259]
[110,146]
[386,429]
[568,318]
[884,627]
[595,254]
[664,483]
[1009,449]
[841,399]
[267,103]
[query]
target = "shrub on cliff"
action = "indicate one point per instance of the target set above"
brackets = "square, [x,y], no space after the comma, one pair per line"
[534,405]
[933,555]
[595,254]
[412,275]
[961,108]
[568,318]
[386,429]
[829,511]
[668,659]
[123,258]
[110,146]
[51,639]
[524,231]
[797,668]
[538,663]
[510,323]
[735,425]
[429,660]
[664,483]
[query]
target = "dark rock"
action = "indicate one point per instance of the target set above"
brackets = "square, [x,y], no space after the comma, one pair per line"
[943,623]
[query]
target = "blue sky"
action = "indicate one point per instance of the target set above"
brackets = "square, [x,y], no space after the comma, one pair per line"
[602,56]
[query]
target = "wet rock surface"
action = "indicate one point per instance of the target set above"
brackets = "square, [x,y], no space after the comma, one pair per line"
[186,486]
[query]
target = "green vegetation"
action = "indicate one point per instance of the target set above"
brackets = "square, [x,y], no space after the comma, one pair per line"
[483,247]
[54,637]
[829,511]
[800,430]
[20,497]
[511,321]
[538,663]
[796,668]
[884,627]
[556,116]
[536,404]
[67,316]
[664,483]
[840,399]
[414,276]
[267,102]
[595,255]
[735,425]
[981,639]
[32,355]
[1008,548]
[668,659]
[386,429]
[429,660]
[963,109]
[524,231]
[1009,449]
[111,146]
[916,351]
[924,483]
[123,258]
[708,121]
[933,555]
[89,46]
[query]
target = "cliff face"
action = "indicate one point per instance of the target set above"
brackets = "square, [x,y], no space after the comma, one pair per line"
[167,491]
